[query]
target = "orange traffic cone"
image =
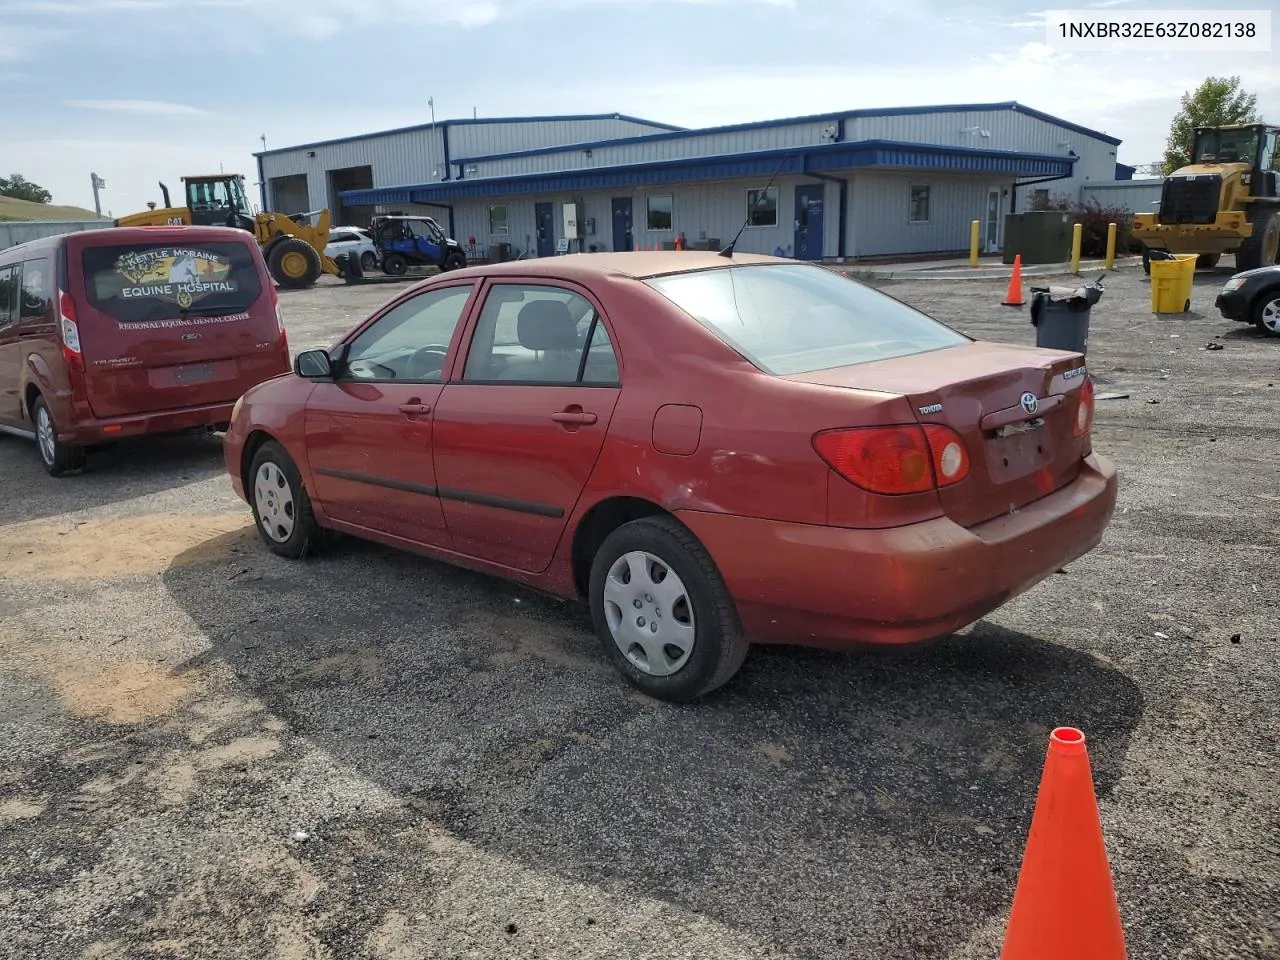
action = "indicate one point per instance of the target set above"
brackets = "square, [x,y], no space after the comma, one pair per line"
[1014,297]
[1064,907]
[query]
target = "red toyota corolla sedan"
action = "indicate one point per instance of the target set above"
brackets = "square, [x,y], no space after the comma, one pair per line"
[710,451]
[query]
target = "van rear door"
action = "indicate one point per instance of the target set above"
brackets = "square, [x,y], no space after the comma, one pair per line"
[180,321]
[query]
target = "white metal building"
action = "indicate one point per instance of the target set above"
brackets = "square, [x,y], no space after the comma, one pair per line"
[860,183]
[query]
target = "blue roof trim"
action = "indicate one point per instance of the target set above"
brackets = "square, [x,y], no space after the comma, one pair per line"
[763,163]
[1011,105]
[464,122]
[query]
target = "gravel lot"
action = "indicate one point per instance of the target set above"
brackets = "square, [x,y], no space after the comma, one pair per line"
[206,751]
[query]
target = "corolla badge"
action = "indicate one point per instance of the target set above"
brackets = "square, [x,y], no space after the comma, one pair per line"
[1029,402]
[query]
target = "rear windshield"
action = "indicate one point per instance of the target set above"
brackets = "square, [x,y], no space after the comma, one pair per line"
[143,283]
[797,318]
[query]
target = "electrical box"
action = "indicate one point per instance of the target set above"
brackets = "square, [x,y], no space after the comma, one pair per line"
[571,221]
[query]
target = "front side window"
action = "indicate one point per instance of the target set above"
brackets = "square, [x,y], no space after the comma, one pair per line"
[762,207]
[796,319]
[498,220]
[145,282]
[659,213]
[540,334]
[10,278]
[411,341]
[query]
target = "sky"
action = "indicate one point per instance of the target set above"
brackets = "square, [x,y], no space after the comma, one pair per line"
[140,91]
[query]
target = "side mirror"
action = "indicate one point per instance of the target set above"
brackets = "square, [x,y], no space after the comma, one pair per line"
[313,365]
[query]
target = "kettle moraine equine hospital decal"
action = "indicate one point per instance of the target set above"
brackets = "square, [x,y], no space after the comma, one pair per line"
[177,274]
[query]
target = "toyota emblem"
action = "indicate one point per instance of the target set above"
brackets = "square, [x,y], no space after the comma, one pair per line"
[1030,403]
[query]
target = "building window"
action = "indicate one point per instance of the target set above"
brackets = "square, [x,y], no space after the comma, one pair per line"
[498,220]
[659,213]
[919,205]
[762,207]
[1040,200]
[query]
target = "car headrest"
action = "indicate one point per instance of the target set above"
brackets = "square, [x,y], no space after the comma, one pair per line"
[546,325]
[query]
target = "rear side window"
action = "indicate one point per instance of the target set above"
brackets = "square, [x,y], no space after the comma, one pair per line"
[796,319]
[36,290]
[145,283]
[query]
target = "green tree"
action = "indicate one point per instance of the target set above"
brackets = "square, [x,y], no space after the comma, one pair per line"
[1216,102]
[20,188]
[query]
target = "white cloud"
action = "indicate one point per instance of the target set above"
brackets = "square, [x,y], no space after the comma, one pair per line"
[20,44]
[146,107]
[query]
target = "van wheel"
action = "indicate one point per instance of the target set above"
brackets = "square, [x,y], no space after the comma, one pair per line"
[57,456]
[294,264]
[662,612]
[281,507]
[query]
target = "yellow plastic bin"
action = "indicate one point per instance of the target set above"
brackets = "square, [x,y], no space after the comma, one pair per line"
[1171,283]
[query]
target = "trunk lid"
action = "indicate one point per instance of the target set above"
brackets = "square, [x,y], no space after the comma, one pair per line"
[1017,453]
[173,320]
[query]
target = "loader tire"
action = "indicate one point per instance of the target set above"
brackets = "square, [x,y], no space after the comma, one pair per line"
[294,264]
[1262,248]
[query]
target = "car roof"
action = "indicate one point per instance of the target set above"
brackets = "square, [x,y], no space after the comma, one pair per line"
[639,264]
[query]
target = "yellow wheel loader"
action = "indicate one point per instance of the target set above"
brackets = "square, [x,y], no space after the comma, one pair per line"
[1225,201]
[294,251]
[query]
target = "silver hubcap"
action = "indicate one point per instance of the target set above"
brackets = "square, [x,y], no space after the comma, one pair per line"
[649,613]
[1271,316]
[45,435]
[273,497]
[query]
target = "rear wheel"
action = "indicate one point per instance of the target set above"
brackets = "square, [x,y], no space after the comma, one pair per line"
[1207,261]
[57,456]
[662,612]
[1266,313]
[294,263]
[1260,249]
[368,261]
[395,265]
[281,507]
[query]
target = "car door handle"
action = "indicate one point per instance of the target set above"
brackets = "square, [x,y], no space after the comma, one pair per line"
[576,417]
[415,410]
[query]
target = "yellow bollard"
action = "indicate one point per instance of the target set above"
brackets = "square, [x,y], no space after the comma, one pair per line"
[1111,246]
[1077,234]
[974,230]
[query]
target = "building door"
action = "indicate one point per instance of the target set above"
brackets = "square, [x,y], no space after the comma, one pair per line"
[991,243]
[622,237]
[543,216]
[809,221]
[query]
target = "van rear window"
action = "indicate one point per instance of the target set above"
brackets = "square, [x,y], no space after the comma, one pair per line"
[143,283]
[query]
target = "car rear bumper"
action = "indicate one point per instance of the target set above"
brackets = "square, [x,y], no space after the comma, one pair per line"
[158,421]
[838,587]
[1232,305]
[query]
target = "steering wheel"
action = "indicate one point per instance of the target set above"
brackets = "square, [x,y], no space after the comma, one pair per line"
[428,360]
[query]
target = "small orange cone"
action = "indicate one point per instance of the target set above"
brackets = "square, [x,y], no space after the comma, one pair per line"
[1014,297]
[1064,907]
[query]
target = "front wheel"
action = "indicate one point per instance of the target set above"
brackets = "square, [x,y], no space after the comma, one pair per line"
[454,261]
[57,456]
[281,507]
[663,613]
[294,264]
[1266,314]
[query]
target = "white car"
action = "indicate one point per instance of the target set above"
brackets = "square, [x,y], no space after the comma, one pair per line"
[343,240]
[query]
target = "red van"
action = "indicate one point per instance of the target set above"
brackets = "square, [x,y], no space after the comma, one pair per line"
[112,333]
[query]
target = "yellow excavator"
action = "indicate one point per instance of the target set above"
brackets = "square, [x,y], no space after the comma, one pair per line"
[294,251]
[1225,201]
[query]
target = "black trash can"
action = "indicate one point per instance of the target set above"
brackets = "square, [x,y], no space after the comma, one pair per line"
[1061,315]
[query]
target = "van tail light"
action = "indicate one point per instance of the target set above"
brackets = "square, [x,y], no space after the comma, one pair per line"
[895,460]
[1084,409]
[69,331]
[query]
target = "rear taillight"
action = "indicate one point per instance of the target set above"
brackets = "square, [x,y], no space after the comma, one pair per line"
[895,460]
[950,456]
[1084,409]
[69,330]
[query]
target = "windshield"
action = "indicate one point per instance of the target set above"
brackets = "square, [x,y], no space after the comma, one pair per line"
[796,319]
[152,282]
[1227,146]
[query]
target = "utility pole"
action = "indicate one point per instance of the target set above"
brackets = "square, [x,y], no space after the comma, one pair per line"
[98,184]
[431,103]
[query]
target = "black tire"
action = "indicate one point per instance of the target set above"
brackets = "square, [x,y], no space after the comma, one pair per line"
[1265,314]
[1207,261]
[1263,247]
[305,533]
[368,261]
[719,645]
[395,265]
[1146,260]
[454,261]
[57,456]
[294,264]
